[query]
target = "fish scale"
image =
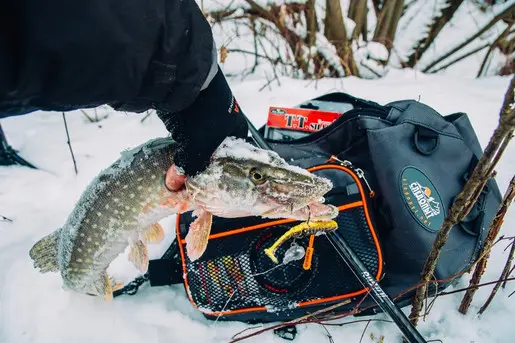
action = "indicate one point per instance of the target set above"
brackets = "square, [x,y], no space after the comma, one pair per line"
[121,206]
[109,221]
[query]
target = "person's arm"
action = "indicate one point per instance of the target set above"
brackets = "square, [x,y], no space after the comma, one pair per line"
[133,55]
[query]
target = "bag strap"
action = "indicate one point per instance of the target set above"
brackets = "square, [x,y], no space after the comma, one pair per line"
[168,269]
[163,271]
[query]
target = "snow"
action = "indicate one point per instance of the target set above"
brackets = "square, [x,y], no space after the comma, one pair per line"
[414,25]
[467,20]
[240,149]
[371,59]
[34,308]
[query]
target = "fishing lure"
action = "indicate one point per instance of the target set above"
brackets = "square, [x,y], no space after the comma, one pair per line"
[305,228]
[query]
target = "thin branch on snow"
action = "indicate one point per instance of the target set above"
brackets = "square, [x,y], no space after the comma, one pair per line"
[364,331]
[5,219]
[148,114]
[467,288]
[460,58]
[504,275]
[508,198]
[314,318]
[69,143]
[91,120]
[494,45]
[359,321]
[328,334]
[493,231]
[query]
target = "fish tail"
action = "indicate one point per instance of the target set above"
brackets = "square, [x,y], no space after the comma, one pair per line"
[44,253]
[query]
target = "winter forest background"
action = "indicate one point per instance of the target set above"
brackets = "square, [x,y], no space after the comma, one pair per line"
[364,38]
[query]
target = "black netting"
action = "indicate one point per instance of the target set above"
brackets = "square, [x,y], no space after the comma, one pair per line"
[235,273]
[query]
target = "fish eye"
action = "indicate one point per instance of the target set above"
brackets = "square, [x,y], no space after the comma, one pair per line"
[257,176]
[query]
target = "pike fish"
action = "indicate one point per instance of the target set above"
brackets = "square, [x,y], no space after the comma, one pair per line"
[122,205]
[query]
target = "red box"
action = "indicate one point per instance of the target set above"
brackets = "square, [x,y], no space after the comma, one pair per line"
[300,119]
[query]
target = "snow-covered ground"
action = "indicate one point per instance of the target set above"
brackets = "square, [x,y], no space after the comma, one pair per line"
[34,308]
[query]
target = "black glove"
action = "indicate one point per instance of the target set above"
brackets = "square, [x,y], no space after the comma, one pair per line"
[201,128]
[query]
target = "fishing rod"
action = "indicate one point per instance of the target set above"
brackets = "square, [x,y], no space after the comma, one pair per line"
[357,267]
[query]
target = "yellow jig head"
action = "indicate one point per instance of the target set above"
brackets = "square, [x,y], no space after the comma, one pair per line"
[305,228]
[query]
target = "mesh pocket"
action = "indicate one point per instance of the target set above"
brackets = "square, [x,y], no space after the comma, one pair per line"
[245,278]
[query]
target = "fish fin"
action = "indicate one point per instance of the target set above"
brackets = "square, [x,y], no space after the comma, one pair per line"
[44,253]
[139,256]
[114,284]
[198,235]
[108,288]
[154,234]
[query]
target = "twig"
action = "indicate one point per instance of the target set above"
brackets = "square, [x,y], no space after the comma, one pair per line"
[493,231]
[267,84]
[359,321]
[509,273]
[469,194]
[507,267]
[5,219]
[505,273]
[246,329]
[502,36]
[306,319]
[506,13]
[91,120]
[149,113]
[328,334]
[69,143]
[462,57]
[478,286]
[364,331]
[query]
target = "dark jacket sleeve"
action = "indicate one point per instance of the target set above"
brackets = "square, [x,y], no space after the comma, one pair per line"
[59,55]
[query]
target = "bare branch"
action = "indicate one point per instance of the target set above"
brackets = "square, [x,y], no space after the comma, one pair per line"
[507,13]
[502,36]
[468,196]
[4,218]
[462,57]
[493,231]
[436,26]
[364,331]
[69,143]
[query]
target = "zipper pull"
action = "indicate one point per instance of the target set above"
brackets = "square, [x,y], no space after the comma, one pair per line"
[359,172]
[344,163]
[361,175]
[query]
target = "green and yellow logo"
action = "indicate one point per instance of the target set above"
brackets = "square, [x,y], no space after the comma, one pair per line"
[422,198]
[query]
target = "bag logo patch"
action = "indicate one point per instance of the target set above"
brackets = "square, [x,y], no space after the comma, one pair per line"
[422,198]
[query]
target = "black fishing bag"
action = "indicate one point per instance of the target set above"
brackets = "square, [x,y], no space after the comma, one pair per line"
[396,170]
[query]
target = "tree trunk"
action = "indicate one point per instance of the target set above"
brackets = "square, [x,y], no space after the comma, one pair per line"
[434,29]
[358,11]
[311,23]
[335,32]
[378,4]
[387,22]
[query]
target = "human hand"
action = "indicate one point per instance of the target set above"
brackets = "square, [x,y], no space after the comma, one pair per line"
[174,181]
[201,128]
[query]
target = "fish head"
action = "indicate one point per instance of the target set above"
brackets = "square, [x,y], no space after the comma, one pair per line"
[243,180]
